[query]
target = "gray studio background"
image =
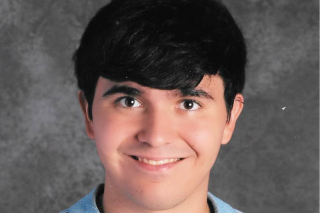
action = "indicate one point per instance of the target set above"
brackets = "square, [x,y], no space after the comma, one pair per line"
[48,163]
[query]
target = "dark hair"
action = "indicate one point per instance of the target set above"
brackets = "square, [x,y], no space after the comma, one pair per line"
[163,44]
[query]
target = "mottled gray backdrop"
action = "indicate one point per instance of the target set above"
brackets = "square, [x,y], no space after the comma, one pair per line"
[48,163]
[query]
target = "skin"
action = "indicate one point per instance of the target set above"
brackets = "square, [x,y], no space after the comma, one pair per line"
[159,125]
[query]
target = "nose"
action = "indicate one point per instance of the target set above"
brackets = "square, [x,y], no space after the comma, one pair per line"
[157,129]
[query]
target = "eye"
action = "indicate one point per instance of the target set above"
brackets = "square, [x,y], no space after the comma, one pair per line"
[189,105]
[129,102]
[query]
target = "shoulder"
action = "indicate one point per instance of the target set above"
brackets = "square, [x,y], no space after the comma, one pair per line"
[87,204]
[221,206]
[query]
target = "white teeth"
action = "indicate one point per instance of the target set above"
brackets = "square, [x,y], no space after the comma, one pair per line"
[145,160]
[160,162]
[152,162]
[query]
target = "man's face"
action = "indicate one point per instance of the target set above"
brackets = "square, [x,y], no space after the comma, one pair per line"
[158,146]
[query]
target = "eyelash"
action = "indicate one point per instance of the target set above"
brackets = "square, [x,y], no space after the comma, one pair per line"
[192,100]
[117,102]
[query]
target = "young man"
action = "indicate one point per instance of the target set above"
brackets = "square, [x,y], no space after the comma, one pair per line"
[160,84]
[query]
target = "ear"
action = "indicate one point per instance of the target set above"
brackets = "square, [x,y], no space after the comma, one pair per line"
[235,112]
[84,107]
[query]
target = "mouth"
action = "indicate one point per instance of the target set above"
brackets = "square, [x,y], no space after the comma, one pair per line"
[156,162]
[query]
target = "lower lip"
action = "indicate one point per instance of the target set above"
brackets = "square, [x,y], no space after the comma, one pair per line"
[155,168]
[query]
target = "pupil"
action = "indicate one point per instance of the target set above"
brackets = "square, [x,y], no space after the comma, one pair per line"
[188,104]
[129,102]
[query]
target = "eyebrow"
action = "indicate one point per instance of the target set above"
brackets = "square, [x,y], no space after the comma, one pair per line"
[122,89]
[195,93]
[131,91]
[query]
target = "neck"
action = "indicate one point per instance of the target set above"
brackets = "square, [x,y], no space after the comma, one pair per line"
[114,201]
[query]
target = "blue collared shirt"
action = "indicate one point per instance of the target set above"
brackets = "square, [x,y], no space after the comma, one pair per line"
[88,204]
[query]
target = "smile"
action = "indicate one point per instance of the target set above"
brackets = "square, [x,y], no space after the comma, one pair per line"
[156,162]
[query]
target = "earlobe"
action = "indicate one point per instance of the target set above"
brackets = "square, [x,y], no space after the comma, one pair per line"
[235,113]
[84,107]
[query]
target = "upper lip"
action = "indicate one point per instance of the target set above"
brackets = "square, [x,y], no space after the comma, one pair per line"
[155,158]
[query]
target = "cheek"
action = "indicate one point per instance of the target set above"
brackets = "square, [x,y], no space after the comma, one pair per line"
[110,131]
[204,135]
